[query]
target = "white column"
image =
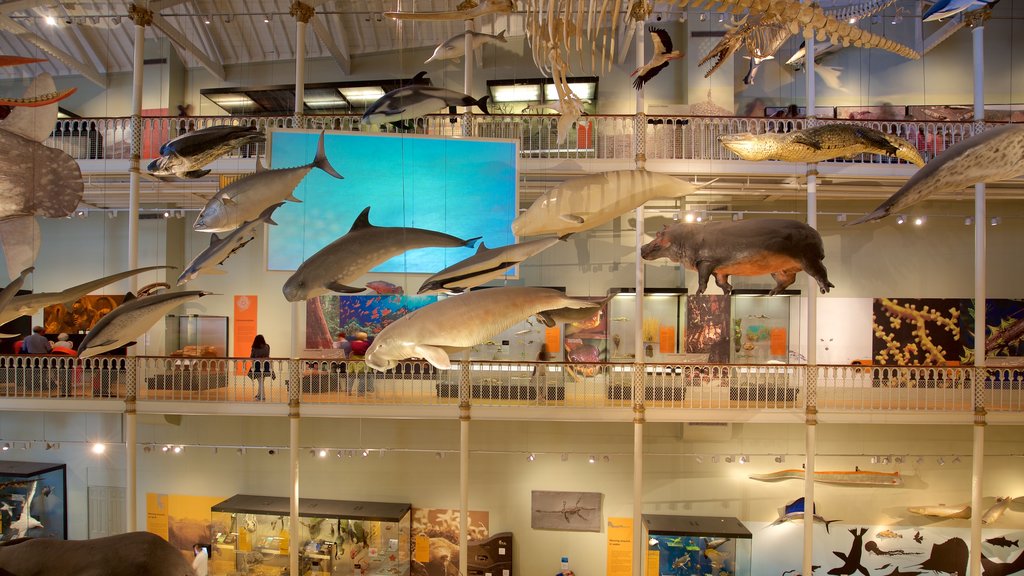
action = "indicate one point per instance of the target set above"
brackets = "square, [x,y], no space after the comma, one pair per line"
[639,544]
[293,493]
[302,12]
[810,446]
[469,60]
[980,293]
[812,323]
[142,18]
[132,464]
[464,488]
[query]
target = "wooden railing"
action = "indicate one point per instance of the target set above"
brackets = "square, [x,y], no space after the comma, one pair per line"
[595,137]
[592,386]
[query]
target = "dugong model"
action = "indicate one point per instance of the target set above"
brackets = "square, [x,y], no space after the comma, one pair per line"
[460,322]
[747,248]
[584,202]
[131,554]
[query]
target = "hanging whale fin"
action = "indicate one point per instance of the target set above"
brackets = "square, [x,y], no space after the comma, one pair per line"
[196,173]
[20,239]
[342,288]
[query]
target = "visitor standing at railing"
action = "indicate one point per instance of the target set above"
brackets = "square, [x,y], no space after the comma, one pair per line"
[364,380]
[260,369]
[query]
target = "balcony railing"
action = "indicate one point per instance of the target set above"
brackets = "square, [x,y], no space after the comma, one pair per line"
[591,386]
[592,137]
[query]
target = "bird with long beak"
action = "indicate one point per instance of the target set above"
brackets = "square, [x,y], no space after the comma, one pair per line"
[663,54]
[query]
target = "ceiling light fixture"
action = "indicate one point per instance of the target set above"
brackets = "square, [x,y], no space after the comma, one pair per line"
[721,18]
[703,16]
[941,461]
[322,453]
[178,449]
[531,457]
[729,459]
[366,452]
[841,218]
[591,459]
[99,448]
[744,459]
[901,219]
[227,18]
[956,460]
[565,456]
[780,459]
[737,216]
[51,21]
[6,446]
[714,459]
[165,448]
[995,221]
[267,18]
[968,221]
[700,459]
[206,19]
[920,220]
[167,214]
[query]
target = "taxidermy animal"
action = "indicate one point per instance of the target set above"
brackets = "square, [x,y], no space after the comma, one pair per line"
[220,249]
[663,54]
[946,8]
[995,154]
[455,47]
[131,319]
[745,247]
[35,180]
[819,144]
[246,198]
[852,560]
[583,202]
[29,304]
[461,322]
[996,510]
[185,155]
[843,477]
[131,554]
[19,527]
[942,511]
[364,246]
[487,264]
[417,100]
[794,511]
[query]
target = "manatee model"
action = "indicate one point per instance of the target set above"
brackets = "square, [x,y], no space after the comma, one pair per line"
[220,249]
[186,155]
[455,47]
[415,101]
[745,247]
[35,180]
[131,319]
[583,202]
[130,554]
[819,144]
[487,264]
[246,198]
[345,260]
[460,322]
[995,154]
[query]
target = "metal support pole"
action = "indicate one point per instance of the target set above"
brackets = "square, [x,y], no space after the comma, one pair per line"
[467,78]
[293,493]
[640,124]
[980,288]
[464,488]
[302,13]
[639,544]
[142,17]
[131,430]
[809,449]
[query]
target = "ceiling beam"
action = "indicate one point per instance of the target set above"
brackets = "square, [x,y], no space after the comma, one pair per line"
[159,5]
[80,66]
[337,49]
[182,42]
[88,41]
[940,35]
[19,5]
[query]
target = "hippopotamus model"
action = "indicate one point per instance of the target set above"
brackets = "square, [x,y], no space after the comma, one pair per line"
[131,554]
[745,247]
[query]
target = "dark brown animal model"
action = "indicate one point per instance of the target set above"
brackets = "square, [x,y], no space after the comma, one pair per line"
[746,248]
[128,554]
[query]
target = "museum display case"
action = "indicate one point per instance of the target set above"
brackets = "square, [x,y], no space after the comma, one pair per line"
[33,502]
[253,535]
[697,545]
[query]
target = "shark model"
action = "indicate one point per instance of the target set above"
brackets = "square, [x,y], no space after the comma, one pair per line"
[220,249]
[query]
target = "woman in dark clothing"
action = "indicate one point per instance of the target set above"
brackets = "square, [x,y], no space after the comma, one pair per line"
[259,370]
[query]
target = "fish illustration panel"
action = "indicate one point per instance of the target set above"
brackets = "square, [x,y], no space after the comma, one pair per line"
[328,315]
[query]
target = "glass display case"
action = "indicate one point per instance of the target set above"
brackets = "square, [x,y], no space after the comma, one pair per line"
[697,545]
[664,311]
[761,329]
[33,500]
[253,535]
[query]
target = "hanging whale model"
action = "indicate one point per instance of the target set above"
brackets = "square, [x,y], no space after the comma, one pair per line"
[455,47]
[131,319]
[185,155]
[819,144]
[246,198]
[10,291]
[35,180]
[995,154]
[946,8]
[220,249]
[460,322]
[415,101]
[130,554]
[348,258]
[745,247]
[584,202]
[487,264]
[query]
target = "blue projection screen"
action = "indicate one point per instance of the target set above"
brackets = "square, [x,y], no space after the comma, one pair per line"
[460,186]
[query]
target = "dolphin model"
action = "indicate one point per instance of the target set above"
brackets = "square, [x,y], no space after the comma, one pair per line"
[131,319]
[455,47]
[28,304]
[794,511]
[487,264]
[819,144]
[946,8]
[220,249]
[246,198]
[460,322]
[35,180]
[821,49]
[415,101]
[584,202]
[995,154]
[185,155]
[346,259]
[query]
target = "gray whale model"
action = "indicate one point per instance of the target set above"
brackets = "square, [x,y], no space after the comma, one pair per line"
[131,554]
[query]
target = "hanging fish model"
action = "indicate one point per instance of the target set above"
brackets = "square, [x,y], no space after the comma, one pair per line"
[794,511]
[996,510]
[185,155]
[131,319]
[942,511]
[220,249]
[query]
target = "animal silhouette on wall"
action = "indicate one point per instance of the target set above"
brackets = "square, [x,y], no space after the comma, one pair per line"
[852,559]
[949,557]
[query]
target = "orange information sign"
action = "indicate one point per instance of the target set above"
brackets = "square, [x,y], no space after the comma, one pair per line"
[778,343]
[246,308]
[553,340]
[620,547]
[667,340]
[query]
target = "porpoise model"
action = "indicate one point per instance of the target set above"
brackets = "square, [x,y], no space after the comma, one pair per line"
[130,554]
[220,249]
[460,322]
[348,258]
[819,144]
[29,304]
[487,264]
[131,319]
[35,180]
[246,198]
[995,154]
[745,247]
[455,47]
[583,202]
[946,8]
[415,101]
[185,155]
